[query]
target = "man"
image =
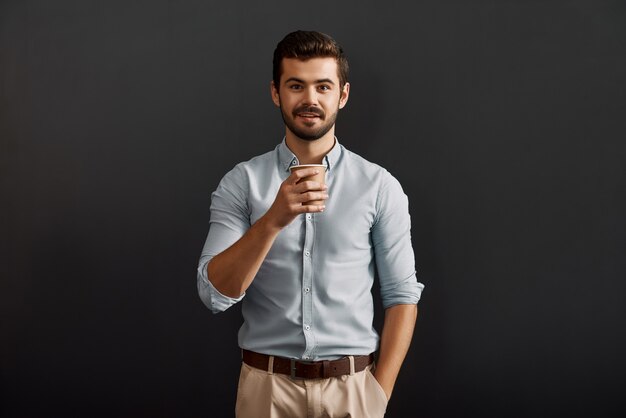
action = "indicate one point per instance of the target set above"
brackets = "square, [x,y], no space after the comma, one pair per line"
[304,272]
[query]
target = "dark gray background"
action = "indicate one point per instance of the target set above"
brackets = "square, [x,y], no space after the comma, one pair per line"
[503,120]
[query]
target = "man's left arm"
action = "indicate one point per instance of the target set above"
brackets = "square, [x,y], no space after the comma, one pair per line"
[394,344]
[400,291]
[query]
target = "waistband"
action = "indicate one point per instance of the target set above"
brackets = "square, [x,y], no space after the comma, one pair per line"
[307,369]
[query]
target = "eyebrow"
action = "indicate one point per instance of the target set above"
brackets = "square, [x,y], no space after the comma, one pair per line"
[297,80]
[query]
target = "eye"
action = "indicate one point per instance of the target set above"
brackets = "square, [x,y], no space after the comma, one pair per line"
[324,87]
[295,87]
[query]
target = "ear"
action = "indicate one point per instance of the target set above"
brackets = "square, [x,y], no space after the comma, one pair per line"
[345,93]
[274,93]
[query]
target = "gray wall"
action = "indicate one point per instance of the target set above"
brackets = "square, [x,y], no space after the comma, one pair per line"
[504,121]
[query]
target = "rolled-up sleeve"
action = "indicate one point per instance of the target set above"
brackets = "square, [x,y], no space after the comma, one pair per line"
[230,219]
[391,237]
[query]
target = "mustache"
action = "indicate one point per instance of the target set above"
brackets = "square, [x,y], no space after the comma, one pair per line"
[309,109]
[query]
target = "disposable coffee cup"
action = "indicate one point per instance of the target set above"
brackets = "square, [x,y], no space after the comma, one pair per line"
[319,177]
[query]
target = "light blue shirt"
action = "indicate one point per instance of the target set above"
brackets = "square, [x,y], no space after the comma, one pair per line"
[311,299]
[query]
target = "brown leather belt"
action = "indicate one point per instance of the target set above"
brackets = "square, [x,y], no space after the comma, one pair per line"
[307,369]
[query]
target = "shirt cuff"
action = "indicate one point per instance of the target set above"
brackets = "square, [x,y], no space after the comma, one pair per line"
[212,297]
[408,292]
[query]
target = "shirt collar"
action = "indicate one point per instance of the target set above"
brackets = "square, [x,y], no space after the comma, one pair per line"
[288,158]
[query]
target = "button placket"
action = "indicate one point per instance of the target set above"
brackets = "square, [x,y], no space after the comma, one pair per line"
[307,284]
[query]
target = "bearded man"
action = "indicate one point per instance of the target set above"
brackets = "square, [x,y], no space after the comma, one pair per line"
[301,255]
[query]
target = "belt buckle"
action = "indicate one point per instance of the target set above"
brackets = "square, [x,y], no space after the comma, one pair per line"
[293,368]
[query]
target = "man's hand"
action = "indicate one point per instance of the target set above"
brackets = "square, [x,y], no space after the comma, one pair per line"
[291,195]
[394,344]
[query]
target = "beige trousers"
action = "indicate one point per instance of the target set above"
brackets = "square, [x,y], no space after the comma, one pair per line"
[263,394]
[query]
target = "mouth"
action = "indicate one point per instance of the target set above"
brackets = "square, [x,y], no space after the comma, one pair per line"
[308,113]
[308,116]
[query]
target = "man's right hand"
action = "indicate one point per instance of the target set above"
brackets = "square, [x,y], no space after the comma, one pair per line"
[232,270]
[291,195]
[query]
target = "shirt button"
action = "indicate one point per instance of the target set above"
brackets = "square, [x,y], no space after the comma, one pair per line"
[307,253]
[308,216]
[307,327]
[307,290]
[306,357]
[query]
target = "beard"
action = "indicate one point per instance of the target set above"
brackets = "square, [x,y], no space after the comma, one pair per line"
[309,133]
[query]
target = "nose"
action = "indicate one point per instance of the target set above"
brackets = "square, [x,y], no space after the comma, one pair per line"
[310,96]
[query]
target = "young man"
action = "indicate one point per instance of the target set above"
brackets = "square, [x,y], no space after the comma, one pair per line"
[304,272]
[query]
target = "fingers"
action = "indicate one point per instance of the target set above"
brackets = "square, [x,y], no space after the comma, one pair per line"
[309,185]
[297,175]
[311,208]
[311,196]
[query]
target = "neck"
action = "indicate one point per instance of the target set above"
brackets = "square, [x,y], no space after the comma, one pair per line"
[310,152]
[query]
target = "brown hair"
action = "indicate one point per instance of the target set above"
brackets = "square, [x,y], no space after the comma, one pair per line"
[309,44]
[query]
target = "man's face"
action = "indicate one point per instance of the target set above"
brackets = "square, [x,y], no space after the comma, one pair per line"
[310,96]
